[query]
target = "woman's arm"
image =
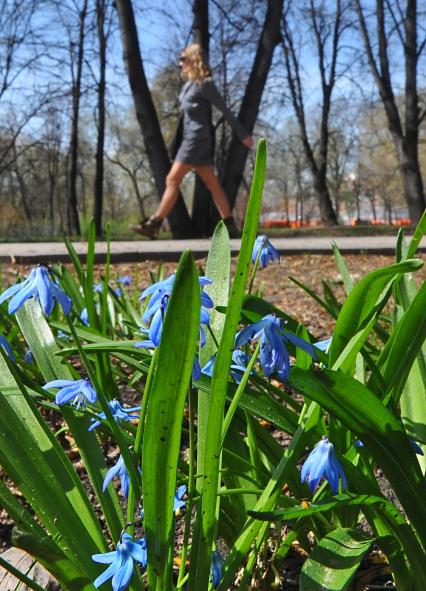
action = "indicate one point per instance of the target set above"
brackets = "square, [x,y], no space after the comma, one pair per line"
[212,94]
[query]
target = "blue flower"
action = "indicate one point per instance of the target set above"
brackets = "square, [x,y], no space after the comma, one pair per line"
[84,317]
[77,390]
[38,286]
[125,279]
[324,345]
[266,250]
[5,344]
[322,463]
[118,291]
[63,335]
[238,366]
[196,369]
[28,356]
[120,471]
[158,290]
[273,356]
[216,568]
[98,287]
[118,412]
[121,562]
[416,447]
[178,504]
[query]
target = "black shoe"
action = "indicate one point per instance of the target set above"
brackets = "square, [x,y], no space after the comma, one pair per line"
[149,228]
[233,231]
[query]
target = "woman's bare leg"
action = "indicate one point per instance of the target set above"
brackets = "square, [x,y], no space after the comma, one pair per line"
[209,178]
[171,192]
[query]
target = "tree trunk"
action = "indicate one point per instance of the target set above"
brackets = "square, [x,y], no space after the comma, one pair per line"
[73,220]
[413,182]
[202,201]
[200,10]
[406,143]
[237,152]
[328,215]
[98,189]
[147,117]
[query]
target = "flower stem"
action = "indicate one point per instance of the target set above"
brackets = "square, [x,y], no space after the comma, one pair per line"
[128,460]
[253,274]
[191,485]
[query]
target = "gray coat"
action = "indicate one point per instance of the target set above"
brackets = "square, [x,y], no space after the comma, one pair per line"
[196,100]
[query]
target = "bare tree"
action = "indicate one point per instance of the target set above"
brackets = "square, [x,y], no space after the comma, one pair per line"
[327,29]
[202,203]
[250,104]
[403,24]
[147,116]
[77,54]
[101,7]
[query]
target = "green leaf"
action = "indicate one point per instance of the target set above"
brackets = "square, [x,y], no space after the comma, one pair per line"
[48,554]
[162,430]
[42,343]
[343,270]
[419,232]
[218,270]
[362,302]
[31,537]
[329,504]
[334,560]
[361,411]
[207,524]
[324,304]
[271,493]
[403,347]
[34,460]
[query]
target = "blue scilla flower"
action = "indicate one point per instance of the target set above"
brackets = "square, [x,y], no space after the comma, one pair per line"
[121,562]
[39,286]
[84,317]
[120,471]
[156,327]
[238,366]
[216,568]
[78,391]
[158,290]
[322,463]
[324,345]
[28,356]
[118,291]
[6,346]
[98,287]
[273,356]
[416,447]
[63,335]
[125,279]
[266,250]
[178,504]
[118,412]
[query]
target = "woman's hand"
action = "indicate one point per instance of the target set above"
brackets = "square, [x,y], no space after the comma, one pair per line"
[248,141]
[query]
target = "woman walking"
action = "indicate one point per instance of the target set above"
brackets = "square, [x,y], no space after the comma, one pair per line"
[195,152]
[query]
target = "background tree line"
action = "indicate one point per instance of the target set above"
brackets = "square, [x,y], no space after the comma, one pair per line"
[88,107]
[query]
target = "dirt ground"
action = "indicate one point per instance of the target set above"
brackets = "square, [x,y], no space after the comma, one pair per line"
[273,281]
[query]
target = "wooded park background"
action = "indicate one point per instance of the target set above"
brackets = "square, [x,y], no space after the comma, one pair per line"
[88,106]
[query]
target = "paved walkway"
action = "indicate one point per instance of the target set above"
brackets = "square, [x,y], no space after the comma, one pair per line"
[170,250]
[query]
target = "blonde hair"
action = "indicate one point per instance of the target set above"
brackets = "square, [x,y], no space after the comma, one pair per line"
[196,59]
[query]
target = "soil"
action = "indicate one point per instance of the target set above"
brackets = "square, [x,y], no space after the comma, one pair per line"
[274,285]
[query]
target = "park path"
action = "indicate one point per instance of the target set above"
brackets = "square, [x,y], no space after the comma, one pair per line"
[170,250]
